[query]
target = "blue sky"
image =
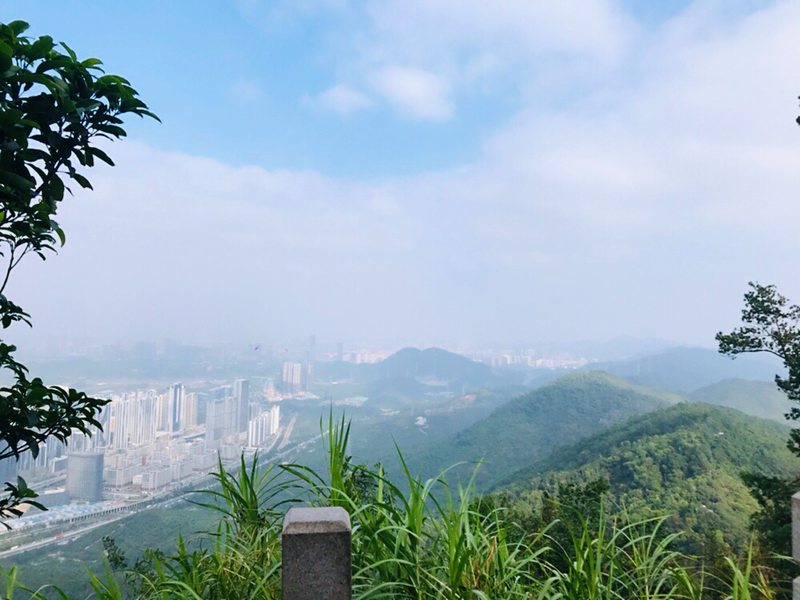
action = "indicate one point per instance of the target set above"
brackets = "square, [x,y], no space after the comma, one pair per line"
[432,171]
[233,82]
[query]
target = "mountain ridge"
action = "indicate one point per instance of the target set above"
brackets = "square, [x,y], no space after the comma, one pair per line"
[528,427]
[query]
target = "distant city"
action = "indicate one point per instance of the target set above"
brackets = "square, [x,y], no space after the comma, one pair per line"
[155,442]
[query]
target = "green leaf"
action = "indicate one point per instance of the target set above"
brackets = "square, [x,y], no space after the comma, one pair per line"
[61,236]
[91,62]
[18,27]
[102,156]
[82,181]
[57,188]
[41,47]
[15,181]
[70,51]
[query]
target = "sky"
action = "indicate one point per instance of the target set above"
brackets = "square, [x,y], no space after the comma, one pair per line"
[429,171]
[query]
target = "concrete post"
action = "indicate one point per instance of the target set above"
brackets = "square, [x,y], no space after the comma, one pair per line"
[315,554]
[796,541]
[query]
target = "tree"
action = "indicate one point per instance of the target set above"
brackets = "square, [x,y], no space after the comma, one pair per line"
[54,109]
[114,554]
[771,325]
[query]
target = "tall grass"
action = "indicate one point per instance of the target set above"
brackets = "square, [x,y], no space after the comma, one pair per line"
[419,540]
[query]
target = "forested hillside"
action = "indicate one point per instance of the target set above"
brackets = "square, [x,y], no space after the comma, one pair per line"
[683,461]
[528,428]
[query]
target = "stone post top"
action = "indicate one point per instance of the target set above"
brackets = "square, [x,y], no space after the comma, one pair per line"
[796,497]
[324,519]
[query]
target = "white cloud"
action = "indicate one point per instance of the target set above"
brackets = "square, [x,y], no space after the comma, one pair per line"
[246,91]
[343,99]
[641,208]
[414,92]
[423,54]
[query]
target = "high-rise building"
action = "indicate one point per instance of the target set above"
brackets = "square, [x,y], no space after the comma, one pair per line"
[263,427]
[132,419]
[241,395]
[8,470]
[175,403]
[220,421]
[275,422]
[162,412]
[292,377]
[189,415]
[85,476]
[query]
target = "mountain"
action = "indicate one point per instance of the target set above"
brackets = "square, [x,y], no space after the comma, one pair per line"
[433,367]
[758,398]
[687,369]
[683,461]
[527,428]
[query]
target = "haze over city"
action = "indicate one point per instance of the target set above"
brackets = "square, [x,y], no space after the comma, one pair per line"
[361,171]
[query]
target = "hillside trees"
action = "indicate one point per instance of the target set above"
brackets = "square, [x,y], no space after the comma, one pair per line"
[772,325]
[54,110]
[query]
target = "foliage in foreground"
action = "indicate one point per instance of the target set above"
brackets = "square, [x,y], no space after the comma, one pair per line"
[771,325]
[426,542]
[54,109]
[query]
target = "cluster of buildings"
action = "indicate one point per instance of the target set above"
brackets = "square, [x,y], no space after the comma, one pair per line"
[148,441]
[296,376]
[530,360]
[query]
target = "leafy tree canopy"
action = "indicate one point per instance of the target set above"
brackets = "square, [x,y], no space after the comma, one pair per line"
[54,109]
[772,325]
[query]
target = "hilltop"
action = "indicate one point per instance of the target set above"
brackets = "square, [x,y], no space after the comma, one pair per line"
[683,461]
[529,427]
[432,369]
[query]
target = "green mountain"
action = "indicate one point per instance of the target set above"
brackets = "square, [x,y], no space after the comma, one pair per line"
[758,398]
[434,367]
[687,369]
[527,428]
[683,461]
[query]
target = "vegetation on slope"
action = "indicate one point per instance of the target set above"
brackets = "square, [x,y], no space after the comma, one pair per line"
[684,461]
[758,398]
[527,429]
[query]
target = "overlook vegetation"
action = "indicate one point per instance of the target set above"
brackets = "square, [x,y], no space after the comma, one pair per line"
[433,542]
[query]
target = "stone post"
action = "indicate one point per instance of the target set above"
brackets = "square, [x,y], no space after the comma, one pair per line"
[315,554]
[796,541]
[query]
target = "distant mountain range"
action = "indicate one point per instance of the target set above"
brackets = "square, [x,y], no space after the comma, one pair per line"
[758,398]
[688,369]
[528,428]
